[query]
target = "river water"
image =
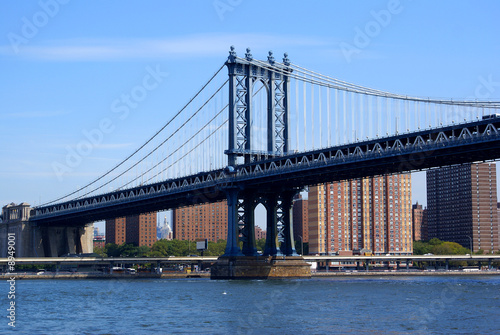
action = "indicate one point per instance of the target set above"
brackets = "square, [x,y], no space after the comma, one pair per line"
[354,305]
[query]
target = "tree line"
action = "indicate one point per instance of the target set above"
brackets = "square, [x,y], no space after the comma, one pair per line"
[437,247]
[166,248]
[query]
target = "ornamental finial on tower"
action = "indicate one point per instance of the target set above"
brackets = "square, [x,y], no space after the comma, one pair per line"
[232,54]
[248,55]
[286,61]
[270,58]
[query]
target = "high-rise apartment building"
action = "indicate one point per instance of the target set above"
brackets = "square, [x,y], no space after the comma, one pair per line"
[205,221]
[372,213]
[419,218]
[498,216]
[137,229]
[300,220]
[462,205]
[141,229]
[116,230]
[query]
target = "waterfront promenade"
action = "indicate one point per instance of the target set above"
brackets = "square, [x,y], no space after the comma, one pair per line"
[187,267]
[205,274]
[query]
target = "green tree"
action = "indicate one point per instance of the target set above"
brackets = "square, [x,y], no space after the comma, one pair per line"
[100,251]
[154,254]
[112,250]
[435,241]
[215,248]
[449,248]
[260,244]
[127,250]
[174,248]
[159,249]
[421,248]
[142,251]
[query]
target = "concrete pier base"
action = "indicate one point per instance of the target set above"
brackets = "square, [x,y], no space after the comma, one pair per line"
[260,267]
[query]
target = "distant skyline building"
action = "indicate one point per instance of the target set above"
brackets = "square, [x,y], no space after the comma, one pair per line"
[137,229]
[205,221]
[99,241]
[372,213]
[164,231]
[462,205]
[259,233]
[419,226]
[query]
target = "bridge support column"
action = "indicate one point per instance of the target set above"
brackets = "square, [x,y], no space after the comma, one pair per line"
[248,233]
[288,246]
[232,247]
[235,264]
[272,227]
[407,266]
[447,264]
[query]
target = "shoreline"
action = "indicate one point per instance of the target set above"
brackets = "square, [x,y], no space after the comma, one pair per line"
[207,275]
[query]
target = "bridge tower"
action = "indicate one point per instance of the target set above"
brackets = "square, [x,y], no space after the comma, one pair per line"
[244,74]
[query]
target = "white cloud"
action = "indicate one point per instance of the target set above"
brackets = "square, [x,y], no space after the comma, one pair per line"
[200,45]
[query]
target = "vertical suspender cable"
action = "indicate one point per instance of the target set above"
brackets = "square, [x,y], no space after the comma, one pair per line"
[320,124]
[312,115]
[345,116]
[373,120]
[337,111]
[388,116]
[407,118]
[329,134]
[297,114]
[418,114]
[305,114]
[361,119]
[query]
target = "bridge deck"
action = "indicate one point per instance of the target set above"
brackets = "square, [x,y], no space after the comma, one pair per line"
[455,144]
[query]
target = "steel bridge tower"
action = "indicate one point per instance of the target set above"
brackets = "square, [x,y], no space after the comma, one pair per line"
[244,73]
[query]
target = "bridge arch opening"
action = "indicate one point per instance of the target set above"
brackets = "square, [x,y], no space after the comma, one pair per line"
[260,215]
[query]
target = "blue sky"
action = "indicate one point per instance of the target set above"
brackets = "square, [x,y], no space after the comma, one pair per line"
[64,63]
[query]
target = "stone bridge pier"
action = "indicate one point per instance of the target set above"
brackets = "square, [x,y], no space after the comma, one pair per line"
[31,240]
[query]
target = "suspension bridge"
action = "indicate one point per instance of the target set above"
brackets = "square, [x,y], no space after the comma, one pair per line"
[264,130]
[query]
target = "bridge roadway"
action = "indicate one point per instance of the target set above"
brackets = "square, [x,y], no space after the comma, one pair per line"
[450,145]
[211,259]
